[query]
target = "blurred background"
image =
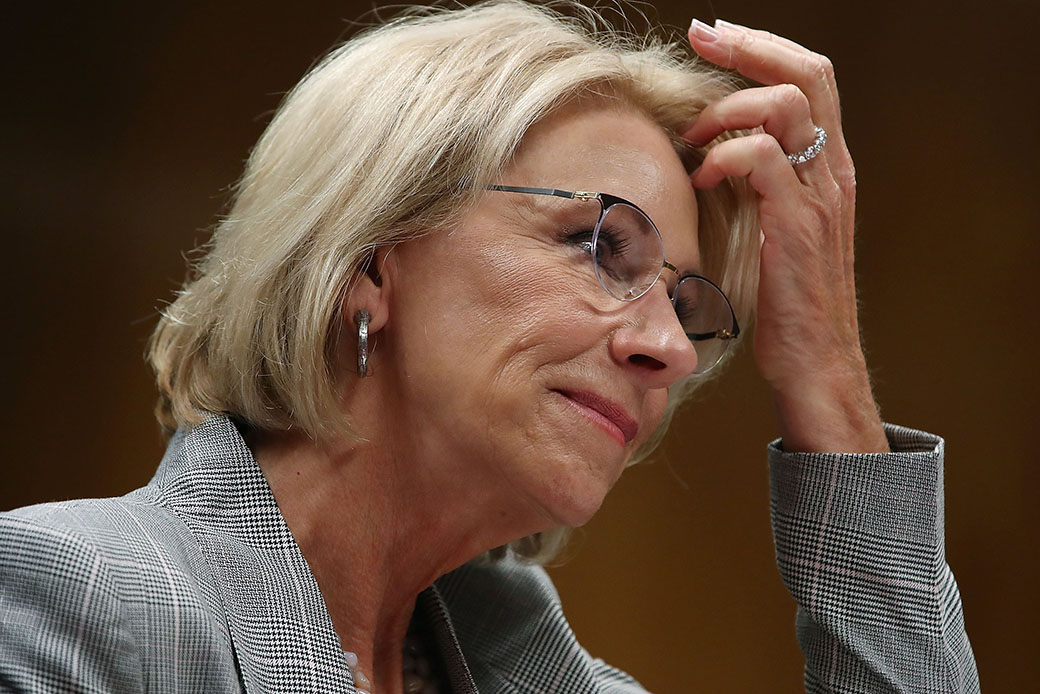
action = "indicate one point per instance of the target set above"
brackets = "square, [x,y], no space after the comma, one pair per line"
[124,124]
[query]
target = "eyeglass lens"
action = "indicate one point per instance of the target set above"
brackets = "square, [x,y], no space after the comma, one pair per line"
[628,252]
[629,255]
[706,318]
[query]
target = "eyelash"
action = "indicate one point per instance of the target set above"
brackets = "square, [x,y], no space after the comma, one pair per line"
[684,309]
[583,239]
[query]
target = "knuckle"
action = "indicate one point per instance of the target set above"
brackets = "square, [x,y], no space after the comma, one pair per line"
[710,163]
[835,198]
[763,145]
[789,95]
[827,67]
[844,170]
[846,179]
[819,67]
[743,39]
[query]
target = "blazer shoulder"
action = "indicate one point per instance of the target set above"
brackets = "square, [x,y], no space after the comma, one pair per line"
[113,527]
[62,618]
[144,548]
[94,594]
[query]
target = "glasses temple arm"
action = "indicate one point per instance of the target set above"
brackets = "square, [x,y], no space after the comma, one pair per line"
[533,191]
[717,334]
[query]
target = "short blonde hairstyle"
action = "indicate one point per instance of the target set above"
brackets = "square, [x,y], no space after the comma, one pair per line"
[394,134]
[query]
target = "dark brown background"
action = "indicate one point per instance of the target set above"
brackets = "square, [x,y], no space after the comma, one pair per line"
[124,125]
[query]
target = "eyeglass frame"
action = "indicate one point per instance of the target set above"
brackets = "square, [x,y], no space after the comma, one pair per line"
[606,201]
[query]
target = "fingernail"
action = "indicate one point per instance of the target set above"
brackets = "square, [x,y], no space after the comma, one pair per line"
[723,24]
[702,31]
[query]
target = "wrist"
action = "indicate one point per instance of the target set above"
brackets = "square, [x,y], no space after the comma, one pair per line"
[824,414]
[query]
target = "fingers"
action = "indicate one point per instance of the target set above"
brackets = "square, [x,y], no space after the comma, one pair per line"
[765,35]
[772,60]
[806,323]
[758,158]
[782,111]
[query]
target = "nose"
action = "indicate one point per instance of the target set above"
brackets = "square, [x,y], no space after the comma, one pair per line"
[652,348]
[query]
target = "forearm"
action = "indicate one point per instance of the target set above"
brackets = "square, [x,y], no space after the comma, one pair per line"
[831,411]
[860,546]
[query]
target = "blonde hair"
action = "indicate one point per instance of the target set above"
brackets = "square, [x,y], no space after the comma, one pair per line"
[395,133]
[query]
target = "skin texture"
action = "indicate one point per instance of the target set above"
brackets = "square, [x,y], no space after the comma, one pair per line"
[476,331]
[807,343]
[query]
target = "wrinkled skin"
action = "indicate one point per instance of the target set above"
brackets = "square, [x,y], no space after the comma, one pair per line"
[807,342]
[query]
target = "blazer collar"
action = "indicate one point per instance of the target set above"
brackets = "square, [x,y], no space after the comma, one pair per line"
[280,627]
[282,634]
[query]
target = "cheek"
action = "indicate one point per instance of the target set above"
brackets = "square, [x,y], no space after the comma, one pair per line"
[532,302]
[482,318]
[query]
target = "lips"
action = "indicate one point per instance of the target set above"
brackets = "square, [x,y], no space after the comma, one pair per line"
[612,412]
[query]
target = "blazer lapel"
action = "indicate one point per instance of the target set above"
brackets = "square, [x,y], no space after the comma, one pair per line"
[283,636]
[509,623]
[432,608]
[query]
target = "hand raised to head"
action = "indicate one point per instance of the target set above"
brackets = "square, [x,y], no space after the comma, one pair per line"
[807,342]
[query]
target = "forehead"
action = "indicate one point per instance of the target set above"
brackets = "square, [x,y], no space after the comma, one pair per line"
[607,148]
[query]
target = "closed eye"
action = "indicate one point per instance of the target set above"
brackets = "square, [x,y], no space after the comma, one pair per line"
[611,245]
[685,309]
[582,240]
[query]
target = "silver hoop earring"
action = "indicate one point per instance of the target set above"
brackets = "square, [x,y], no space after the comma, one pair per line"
[362,319]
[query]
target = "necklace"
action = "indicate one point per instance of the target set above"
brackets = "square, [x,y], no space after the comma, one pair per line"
[415,669]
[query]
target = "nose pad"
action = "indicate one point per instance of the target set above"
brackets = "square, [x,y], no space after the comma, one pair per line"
[653,346]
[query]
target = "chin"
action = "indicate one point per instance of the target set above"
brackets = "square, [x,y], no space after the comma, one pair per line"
[570,479]
[580,518]
[577,515]
[573,505]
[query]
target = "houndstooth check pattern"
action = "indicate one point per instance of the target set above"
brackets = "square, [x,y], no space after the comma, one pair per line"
[191,584]
[860,546]
[195,584]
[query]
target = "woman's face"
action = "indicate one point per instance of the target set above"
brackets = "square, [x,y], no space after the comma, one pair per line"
[506,357]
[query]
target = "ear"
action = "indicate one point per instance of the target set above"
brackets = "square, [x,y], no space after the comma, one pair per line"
[371,291]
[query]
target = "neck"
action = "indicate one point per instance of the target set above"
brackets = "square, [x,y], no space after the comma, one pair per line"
[376,529]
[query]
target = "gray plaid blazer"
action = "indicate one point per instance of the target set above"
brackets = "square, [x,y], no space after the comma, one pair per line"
[194,583]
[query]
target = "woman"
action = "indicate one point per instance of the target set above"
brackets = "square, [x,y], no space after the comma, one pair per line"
[438,323]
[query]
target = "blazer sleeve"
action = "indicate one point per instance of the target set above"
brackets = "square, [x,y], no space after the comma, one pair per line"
[860,546]
[61,627]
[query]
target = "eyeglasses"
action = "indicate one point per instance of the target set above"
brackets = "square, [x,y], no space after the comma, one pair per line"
[628,259]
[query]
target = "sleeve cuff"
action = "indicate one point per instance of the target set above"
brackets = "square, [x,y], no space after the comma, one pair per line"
[896,495]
